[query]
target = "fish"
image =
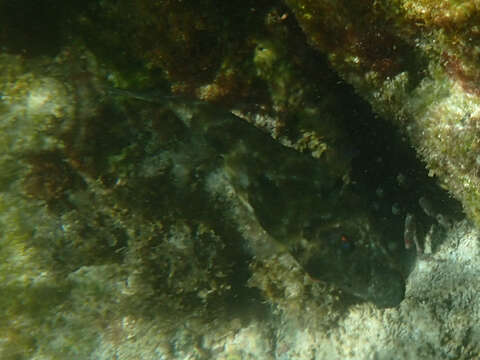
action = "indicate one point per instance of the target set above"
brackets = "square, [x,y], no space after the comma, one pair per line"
[290,198]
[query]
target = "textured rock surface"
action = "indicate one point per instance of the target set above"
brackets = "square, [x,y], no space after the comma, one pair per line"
[438,319]
[245,203]
[416,63]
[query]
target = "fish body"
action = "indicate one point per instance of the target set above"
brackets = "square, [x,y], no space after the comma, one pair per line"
[285,193]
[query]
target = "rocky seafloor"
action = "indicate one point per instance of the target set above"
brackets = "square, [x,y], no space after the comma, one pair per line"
[244,180]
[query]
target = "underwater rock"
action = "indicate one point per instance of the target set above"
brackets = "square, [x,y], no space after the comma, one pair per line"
[169,202]
[167,214]
[416,63]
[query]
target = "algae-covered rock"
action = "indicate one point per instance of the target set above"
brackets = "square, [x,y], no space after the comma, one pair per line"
[215,190]
[160,207]
[416,63]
